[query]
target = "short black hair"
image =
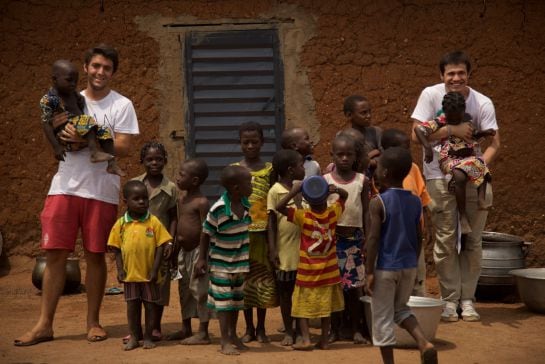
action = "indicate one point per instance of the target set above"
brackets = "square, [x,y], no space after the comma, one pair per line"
[288,137]
[350,103]
[230,176]
[397,161]
[199,169]
[453,102]
[152,145]
[393,138]
[456,57]
[104,50]
[283,159]
[250,126]
[344,138]
[131,186]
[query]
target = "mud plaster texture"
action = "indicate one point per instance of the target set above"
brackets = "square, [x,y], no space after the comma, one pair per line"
[387,51]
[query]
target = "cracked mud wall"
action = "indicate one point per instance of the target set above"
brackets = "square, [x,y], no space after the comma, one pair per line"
[387,51]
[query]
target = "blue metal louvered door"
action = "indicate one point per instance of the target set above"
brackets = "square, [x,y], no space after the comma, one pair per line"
[232,77]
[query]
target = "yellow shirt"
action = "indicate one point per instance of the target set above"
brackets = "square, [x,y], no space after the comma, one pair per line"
[288,235]
[137,240]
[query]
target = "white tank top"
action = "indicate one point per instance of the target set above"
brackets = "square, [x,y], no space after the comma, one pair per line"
[353,210]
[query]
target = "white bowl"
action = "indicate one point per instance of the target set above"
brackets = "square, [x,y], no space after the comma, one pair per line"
[531,287]
[426,310]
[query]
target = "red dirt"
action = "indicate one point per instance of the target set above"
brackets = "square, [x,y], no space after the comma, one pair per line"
[508,333]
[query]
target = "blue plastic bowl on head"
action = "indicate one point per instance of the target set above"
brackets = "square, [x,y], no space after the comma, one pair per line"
[315,190]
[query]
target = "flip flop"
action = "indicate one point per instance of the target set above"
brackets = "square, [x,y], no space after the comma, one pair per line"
[35,341]
[429,356]
[96,334]
[113,291]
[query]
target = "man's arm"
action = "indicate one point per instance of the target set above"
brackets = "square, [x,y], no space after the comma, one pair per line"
[122,144]
[493,149]
[462,130]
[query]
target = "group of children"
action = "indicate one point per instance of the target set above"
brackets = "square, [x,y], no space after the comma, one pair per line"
[281,234]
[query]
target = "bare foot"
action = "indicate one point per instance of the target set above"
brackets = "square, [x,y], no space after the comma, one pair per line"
[287,340]
[248,337]
[113,168]
[237,343]
[34,337]
[262,337]
[303,346]
[177,335]
[148,344]
[198,339]
[228,349]
[322,345]
[464,224]
[101,157]
[359,339]
[131,344]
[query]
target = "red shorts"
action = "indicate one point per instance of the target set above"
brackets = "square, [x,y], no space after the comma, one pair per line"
[64,215]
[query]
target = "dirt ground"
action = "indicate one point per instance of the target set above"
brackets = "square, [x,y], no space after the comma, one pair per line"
[508,333]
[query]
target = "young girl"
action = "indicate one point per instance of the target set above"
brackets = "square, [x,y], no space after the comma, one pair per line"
[62,97]
[137,239]
[260,287]
[317,292]
[357,111]
[163,196]
[457,157]
[284,236]
[349,233]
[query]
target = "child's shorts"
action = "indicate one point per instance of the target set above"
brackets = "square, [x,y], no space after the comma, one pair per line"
[64,215]
[145,291]
[226,291]
[193,290]
[390,296]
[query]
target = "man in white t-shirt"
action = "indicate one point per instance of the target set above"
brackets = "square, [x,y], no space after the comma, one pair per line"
[458,272]
[83,196]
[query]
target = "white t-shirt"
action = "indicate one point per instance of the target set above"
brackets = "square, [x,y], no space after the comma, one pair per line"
[77,176]
[430,102]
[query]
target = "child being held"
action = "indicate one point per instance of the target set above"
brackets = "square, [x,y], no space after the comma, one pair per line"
[284,236]
[457,157]
[193,290]
[298,139]
[224,253]
[393,247]
[62,97]
[137,239]
[317,292]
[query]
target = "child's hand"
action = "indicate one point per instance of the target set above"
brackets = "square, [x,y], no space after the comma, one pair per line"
[121,275]
[428,155]
[167,251]
[296,186]
[60,153]
[369,284]
[373,154]
[274,260]
[484,134]
[333,189]
[200,268]
[153,277]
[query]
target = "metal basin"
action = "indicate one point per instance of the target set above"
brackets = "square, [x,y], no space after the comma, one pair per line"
[426,310]
[531,287]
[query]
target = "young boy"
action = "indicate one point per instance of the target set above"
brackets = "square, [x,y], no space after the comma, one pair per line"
[393,247]
[299,140]
[193,290]
[224,253]
[415,183]
[62,97]
[137,240]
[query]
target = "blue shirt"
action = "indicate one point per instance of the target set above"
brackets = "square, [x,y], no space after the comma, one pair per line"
[398,236]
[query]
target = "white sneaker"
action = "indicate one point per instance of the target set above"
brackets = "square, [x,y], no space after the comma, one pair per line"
[468,311]
[449,313]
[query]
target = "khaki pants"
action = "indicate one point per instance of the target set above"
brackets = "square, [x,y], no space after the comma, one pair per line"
[458,273]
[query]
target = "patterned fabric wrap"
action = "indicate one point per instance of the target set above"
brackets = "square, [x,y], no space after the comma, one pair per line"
[350,260]
[51,104]
[260,286]
[450,150]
